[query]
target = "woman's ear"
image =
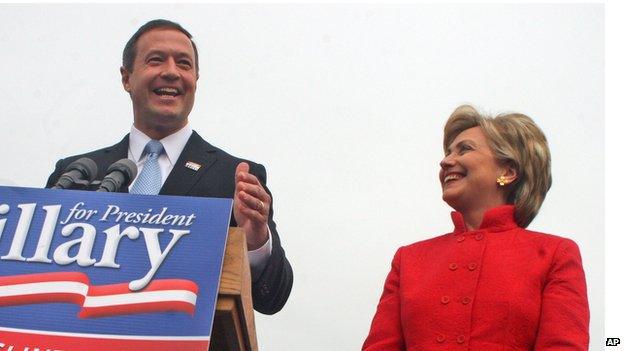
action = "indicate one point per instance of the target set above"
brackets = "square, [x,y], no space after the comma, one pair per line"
[509,174]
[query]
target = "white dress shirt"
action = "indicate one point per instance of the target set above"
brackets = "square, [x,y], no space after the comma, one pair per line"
[173,145]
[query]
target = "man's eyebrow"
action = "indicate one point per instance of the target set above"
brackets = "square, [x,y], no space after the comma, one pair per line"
[163,52]
[183,54]
[155,51]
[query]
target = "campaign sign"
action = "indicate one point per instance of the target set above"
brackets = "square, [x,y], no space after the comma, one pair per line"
[94,271]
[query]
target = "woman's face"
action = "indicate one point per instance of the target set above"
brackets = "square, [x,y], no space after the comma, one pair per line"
[468,173]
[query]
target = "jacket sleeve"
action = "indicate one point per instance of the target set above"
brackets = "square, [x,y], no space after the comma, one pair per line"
[271,287]
[564,320]
[54,177]
[386,333]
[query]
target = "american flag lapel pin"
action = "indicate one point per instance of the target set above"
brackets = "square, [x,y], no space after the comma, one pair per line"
[192,165]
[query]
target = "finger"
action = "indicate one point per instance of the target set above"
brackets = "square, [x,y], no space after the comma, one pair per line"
[254,203]
[242,171]
[247,178]
[255,216]
[256,191]
[242,167]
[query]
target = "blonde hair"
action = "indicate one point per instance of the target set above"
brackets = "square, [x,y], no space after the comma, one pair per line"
[517,141]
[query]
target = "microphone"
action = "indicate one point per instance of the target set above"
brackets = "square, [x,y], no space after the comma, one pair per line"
[118,175]
[82,171]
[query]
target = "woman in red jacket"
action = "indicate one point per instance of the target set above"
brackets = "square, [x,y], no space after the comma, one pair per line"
[491,284]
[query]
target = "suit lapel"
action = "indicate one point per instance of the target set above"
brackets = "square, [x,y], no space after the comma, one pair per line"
[183,176]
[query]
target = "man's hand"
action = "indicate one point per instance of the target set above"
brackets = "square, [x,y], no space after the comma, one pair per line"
[251,207]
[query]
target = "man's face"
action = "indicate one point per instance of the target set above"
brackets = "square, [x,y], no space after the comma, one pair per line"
[162,83]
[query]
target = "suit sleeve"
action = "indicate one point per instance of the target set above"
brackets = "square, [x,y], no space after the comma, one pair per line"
[564,321]
[385,332]
[272,286]
[54,177]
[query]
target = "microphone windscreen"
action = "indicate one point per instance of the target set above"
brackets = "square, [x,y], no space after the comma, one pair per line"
[86,166]
[126,166]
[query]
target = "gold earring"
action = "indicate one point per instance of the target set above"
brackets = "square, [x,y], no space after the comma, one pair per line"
[501,180]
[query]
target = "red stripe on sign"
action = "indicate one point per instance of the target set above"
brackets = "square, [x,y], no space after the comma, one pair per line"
[44,277]
[31,340]
[147,307]
[163,295]
[155,285]
[28,299]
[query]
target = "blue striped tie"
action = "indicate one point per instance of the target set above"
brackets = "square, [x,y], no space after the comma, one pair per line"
[149,180]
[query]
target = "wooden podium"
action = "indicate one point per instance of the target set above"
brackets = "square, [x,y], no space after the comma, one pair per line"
[234,328]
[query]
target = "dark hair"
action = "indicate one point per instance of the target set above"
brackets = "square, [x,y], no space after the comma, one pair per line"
[129,52]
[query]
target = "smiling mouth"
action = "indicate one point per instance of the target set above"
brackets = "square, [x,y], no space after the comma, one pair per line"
[452,177]
[173,92]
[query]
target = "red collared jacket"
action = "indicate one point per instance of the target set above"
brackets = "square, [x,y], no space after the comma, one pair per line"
[500,287]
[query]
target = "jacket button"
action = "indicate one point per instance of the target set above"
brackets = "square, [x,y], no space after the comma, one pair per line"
[466,300]
[461,238]
[472,266]
[445,299]
[461,339]
[479,236]
[440,338]
[453,266]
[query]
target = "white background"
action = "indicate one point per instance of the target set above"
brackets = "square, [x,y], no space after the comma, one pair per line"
[344,105]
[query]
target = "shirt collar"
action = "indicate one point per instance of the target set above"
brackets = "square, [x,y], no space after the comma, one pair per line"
[173,144]
[494,220]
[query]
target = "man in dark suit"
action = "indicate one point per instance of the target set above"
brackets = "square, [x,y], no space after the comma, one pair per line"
[160,72]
